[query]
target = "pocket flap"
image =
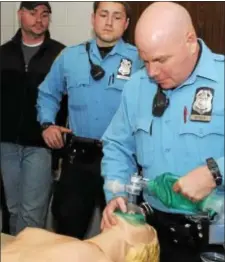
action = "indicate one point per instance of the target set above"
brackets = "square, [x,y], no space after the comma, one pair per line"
[201,129]
[83,80]
[143,124]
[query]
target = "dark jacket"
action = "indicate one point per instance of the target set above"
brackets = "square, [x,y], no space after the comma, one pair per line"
[19,89]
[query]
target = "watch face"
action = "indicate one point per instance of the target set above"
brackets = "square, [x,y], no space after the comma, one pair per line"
[45,126]
[219,180]
[214,169]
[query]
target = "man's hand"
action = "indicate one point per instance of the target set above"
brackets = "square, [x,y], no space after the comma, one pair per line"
[196,185]
[108,218]
[53,136]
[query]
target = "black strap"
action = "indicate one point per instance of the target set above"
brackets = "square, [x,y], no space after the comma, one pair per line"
[181,230]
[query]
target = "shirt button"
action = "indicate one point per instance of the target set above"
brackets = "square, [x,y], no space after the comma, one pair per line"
[167,121]
[167,150]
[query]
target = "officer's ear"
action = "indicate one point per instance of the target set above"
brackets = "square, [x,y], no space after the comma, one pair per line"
[127,23]
[192,43]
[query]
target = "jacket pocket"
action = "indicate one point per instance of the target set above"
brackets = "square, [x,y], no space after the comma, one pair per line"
[144,142]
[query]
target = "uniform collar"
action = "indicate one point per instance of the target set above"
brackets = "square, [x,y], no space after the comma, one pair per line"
[206,64]
[205,67]
[119,48]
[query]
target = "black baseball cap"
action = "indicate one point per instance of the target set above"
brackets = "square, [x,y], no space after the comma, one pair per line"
[30,5]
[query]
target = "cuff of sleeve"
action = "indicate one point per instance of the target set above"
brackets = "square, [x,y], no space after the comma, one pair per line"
[220,163]
[109,196]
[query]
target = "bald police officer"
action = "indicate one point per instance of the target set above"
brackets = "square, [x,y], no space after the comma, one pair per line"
[171,117]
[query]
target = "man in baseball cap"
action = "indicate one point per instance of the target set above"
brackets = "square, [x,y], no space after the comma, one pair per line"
[25,61]
[30,5]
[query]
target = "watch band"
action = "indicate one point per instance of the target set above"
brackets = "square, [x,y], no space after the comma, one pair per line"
[214,169]
[45,125]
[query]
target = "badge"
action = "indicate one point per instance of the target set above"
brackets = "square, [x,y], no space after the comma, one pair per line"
[202,105]
[124,70]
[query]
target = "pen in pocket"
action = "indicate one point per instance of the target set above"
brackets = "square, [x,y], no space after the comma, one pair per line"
[112,78]
[109,80]
[185,114]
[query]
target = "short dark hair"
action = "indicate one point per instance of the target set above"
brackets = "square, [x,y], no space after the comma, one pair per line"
[124,3]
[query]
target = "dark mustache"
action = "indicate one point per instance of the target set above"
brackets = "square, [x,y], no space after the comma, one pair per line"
[39,24]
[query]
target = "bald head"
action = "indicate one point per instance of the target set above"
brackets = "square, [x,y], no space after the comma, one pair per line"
[167,42]
[163,21]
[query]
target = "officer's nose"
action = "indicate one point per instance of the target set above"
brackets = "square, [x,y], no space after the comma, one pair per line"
[109,20]
[153,70]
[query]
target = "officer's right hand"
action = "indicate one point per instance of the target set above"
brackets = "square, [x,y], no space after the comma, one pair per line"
[108,218]
[53,136]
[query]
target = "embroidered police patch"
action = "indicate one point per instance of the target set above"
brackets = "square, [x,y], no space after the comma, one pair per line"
[124,70]
[202,105]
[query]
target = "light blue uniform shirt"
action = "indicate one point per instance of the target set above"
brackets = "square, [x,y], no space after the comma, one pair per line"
[174,146]
[91,104]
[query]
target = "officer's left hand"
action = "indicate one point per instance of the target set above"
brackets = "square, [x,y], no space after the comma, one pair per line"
[196,185]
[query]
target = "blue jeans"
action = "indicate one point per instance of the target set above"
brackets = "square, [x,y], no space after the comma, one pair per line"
[27,179]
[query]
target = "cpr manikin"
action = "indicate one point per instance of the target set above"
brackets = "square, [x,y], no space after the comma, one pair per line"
[130,240]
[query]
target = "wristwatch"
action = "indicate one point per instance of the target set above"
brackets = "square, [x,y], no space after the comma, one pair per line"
[45,125]
[214,169]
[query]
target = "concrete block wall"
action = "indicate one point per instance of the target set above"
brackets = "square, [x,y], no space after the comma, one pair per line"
[71,21]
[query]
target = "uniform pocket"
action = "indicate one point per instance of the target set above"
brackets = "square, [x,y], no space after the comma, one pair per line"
[118,84]
[144,142]
[205,139]
[78,93]
[83,81]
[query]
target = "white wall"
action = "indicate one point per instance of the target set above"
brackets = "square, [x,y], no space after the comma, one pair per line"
[71,21]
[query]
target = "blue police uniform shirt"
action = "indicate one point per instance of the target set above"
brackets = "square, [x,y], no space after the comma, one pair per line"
[167,143]
[91,104]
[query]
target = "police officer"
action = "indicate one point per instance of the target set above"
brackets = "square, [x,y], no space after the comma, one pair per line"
[171,117]
[93,75]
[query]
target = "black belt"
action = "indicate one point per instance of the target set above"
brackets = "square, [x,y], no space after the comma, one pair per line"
[82,148]
[181,229]
[78,142]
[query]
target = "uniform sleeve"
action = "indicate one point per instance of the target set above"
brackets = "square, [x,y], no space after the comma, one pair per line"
[220,163]
[51,91]
[119,149]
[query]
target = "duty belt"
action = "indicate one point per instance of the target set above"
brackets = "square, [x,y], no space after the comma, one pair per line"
[82,147]
[184,230]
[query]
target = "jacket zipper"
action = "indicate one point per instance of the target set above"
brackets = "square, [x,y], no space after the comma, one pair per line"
[26,68]
[21,116]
